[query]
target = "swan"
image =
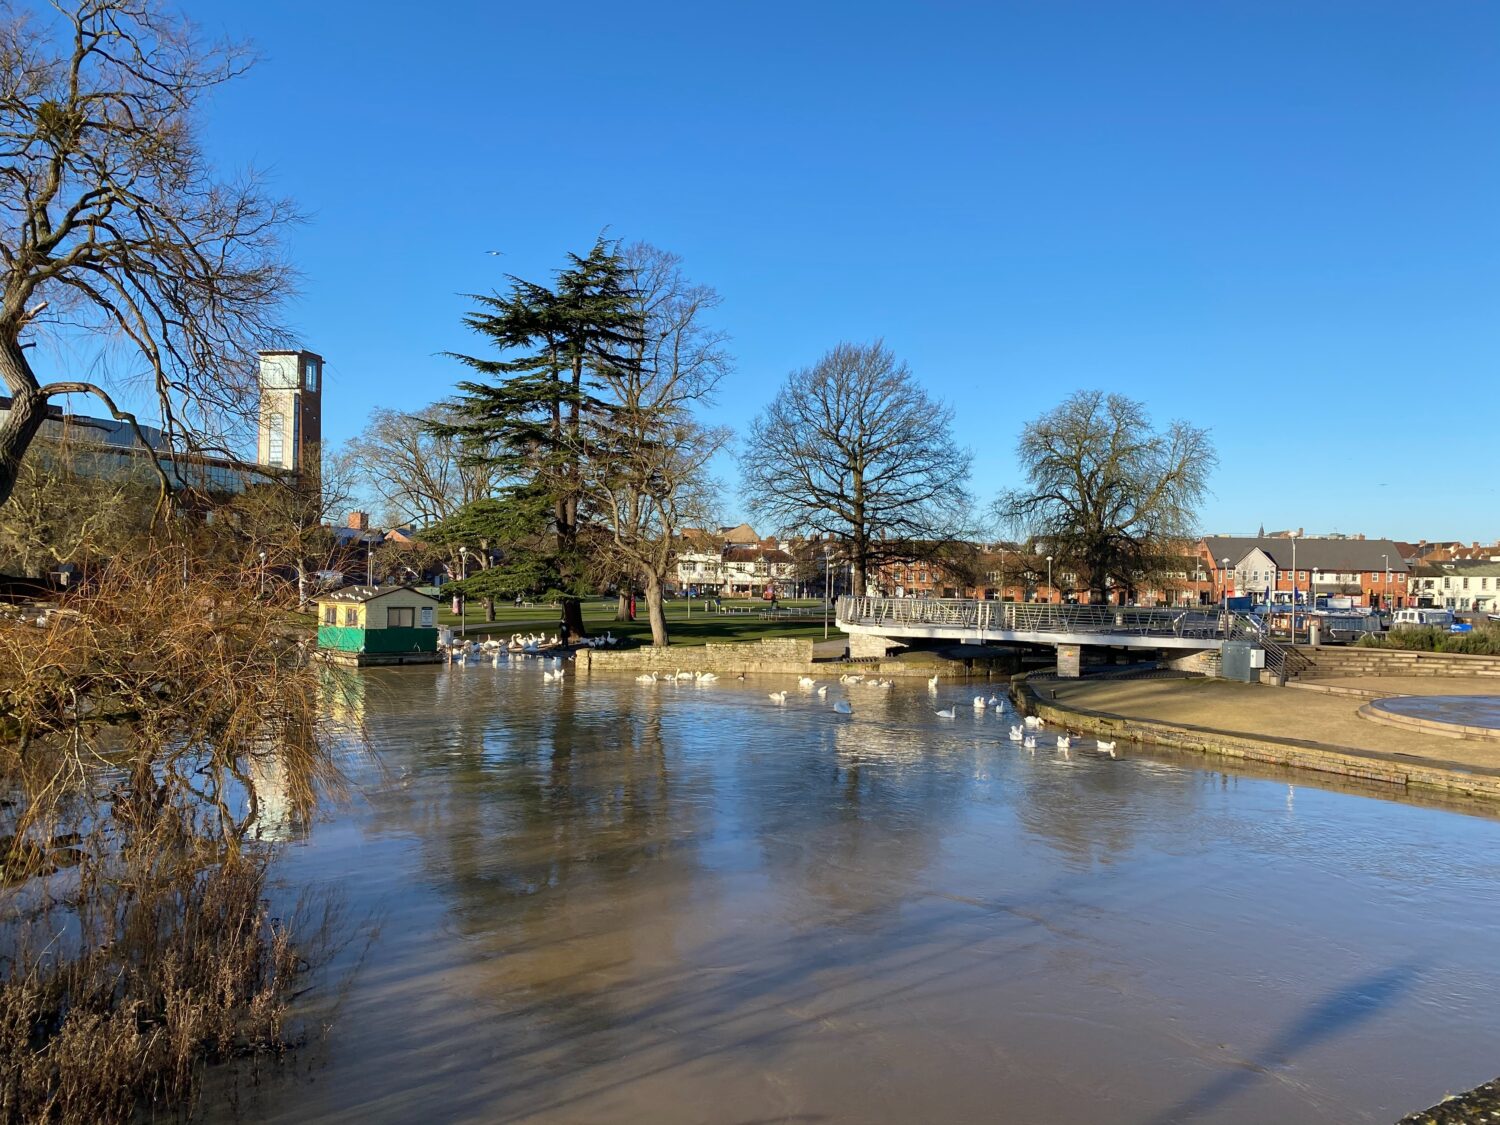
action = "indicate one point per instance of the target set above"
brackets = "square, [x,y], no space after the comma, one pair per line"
[948,714]
[843,708]
[994,702]
[707,677]
[645,678]
[1064,743]
[979,703]
[1016,734]
[1030,742]
[1107,747]
[684,675]
[823,692]
[1033,723]
[778,697]
[806,682]
[932,684]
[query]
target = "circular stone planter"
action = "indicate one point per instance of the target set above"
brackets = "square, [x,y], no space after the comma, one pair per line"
[1455,716]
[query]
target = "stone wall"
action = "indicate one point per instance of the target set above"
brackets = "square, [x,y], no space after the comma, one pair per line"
[1327,663]
[778,657]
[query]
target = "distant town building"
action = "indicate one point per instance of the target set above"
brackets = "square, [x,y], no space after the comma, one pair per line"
[291,409]
[1463,584]
[290,428]
[1369,572]
[733,562]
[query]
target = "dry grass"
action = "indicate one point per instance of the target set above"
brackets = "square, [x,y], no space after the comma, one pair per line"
[148,729]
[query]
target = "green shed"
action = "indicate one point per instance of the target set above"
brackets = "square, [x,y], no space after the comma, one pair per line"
[378,624]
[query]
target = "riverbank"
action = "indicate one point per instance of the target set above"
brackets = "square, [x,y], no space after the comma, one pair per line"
[1481,1104]
[1279,726]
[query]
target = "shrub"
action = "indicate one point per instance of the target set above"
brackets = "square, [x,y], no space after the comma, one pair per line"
[142,721]
[1482,641]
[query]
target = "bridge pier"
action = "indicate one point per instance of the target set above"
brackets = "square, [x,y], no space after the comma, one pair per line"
[1069,661]
[867,645]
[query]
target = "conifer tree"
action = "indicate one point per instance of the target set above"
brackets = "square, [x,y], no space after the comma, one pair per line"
[526,411]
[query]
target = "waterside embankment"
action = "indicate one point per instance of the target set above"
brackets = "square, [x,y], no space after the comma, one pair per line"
[781,657]
[1270,725]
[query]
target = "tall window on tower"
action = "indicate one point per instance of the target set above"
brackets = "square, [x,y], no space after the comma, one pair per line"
[275,437]
[310,378]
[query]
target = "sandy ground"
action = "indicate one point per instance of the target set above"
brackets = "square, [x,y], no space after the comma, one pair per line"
[1287,713]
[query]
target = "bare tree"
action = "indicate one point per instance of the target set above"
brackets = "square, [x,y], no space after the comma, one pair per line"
[852,447]
[289,519]
[113,225]
[646,473]
[1106,494]
[421,474]
[72,505]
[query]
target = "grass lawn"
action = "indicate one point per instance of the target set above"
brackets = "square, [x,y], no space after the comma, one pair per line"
[688,621]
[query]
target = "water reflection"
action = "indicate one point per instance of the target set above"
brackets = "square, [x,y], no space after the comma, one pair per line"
[623,902]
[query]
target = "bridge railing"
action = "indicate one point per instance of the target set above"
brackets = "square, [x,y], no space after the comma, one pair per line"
[980,617]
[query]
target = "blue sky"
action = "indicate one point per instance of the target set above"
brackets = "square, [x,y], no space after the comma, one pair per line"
[1277,220]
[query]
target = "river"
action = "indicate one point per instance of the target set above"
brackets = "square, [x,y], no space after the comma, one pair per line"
[603,901]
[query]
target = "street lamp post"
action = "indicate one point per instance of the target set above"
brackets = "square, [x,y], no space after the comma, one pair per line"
[263,574]
[1294,589]
[463,599]
[1224,588]
[1387,559]
[1049,579]
[827,587]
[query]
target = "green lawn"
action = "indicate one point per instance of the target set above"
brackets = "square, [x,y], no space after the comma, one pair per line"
[688,622]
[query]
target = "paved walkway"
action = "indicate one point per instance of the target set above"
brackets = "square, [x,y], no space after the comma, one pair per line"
[1281,713]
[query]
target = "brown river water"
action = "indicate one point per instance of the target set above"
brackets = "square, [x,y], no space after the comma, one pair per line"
[602,901]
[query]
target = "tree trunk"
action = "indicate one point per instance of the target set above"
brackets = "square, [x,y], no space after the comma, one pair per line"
[572,620]
[489,609]
[20,425]
[657,613]
[622,606]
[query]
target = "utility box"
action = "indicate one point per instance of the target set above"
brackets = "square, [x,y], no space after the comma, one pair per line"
[1242,661]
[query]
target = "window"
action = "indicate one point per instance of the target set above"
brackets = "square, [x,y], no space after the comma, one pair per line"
[427,620]
[1466,582]
[311,377]
[275,437]
[400,617]
[351,615]
[330,615]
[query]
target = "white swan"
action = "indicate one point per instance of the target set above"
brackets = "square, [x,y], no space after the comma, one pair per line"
[707,677]
[843,708]
[1030,742]
[806,682]
[1064,743]
[1033,723]
[932,684]
[948,714]
[778,697]
[823,692]
[1107,747]
[1016,734]
[645,678]
[979,703]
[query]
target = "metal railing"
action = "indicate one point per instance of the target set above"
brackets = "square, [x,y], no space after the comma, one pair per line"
[981,618]
[1029,617]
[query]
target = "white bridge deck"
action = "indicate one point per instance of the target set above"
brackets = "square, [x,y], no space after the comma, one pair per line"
[972,621]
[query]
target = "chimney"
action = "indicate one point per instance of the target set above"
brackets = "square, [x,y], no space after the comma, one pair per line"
[359,521]
[1300,533]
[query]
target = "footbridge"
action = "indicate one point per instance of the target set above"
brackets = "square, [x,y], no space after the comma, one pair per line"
[877,624]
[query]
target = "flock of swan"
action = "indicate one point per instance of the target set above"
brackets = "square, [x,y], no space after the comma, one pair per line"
[1027,733]
[460,651]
